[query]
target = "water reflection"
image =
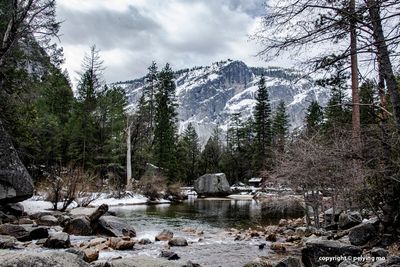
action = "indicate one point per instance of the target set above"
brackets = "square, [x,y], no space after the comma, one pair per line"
[219,213]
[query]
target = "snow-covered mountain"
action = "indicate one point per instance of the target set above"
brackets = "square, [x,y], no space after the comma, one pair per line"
[207,96]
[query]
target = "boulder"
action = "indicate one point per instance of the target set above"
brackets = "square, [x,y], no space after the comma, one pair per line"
[79,226]
[15,209]
[113,226]
[7,242]
[361,234]
[47,220]
[58,240]
[15,182]
[212,185]
[165,235]
[349,219]
[321,252]
[34,259]
[16,231]
[178,242]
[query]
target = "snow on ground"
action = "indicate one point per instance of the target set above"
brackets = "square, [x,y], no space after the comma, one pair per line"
[37,204]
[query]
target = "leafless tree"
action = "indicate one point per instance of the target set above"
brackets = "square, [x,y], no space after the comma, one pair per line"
[23,19]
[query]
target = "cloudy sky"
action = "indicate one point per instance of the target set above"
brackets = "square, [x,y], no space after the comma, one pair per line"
[132,33]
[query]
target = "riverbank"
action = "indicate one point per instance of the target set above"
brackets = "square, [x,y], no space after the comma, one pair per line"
[190,238]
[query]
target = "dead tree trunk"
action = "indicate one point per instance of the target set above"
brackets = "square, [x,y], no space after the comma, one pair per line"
[383,53]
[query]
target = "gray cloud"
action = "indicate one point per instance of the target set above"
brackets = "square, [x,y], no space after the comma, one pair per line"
[182,32]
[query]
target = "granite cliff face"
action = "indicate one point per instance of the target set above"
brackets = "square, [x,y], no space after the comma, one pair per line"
[207,96]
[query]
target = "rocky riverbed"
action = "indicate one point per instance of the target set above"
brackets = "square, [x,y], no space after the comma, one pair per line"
[95,237]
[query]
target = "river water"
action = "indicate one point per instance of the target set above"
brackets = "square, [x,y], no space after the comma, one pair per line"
[210,244]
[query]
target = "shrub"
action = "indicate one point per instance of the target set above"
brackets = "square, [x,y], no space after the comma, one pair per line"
[152,187]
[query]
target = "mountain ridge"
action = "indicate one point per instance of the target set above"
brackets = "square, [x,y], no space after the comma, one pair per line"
[209,95]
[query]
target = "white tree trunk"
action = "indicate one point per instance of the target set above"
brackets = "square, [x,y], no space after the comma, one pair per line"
[128,157]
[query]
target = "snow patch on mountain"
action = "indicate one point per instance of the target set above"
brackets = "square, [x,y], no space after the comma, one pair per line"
[209,95]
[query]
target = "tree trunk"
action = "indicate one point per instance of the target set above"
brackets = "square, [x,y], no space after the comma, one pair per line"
[128,157]
[356,125]
[383,53]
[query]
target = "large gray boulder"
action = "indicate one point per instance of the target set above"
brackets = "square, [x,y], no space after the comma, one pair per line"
[114,226]
[34,259]
[362,234]
[214,184]
[15,182]
[327,252]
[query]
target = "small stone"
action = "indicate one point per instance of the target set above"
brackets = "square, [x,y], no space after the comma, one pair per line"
[96,241]
[178,242]
[279,247]
[91,255]
[165,235]
[47,220]
[58,240]
[379,252]
[169,255]
[144,241]
[124,245]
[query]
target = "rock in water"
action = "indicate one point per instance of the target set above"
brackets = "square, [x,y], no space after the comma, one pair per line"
[114,226]
[212,185]
[15,182]
[58,240]
[178,242]
[79,226]
[165,235]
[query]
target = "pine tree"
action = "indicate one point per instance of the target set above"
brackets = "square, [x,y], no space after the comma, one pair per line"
[165,124]
[314,117]
[280,127]
[83,129]
[211,155]
[262,125]
[191,140]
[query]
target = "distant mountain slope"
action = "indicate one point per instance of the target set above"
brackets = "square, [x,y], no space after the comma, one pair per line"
[207,96]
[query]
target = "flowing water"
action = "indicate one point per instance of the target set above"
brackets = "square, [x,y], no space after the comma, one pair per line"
[210,245]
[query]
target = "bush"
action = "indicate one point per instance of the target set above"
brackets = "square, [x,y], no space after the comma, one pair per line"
[152,187]
[283,206]
[174,192]
[70,184]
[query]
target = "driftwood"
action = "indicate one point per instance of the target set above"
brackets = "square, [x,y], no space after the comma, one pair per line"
[98,213]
